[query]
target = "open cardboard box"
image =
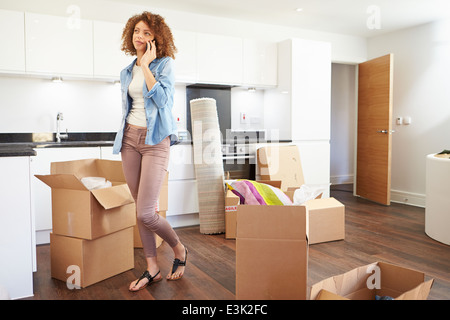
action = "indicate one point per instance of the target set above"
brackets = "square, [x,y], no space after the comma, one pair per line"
[326,217]
[379,278]
[271,252]
[90,261]
[231,203]
[89,214]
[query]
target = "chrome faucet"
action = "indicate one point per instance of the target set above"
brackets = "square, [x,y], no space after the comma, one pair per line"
[59,135]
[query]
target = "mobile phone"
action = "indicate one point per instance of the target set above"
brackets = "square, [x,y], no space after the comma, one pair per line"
[149,45]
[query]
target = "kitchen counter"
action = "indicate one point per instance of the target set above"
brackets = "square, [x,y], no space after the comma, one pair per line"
[24,144]
[16,151]
[28,149]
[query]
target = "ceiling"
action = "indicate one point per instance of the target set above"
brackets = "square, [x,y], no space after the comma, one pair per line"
[366,18]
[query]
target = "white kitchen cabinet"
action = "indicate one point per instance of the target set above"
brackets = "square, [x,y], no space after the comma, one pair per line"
[259,63]
[12,37]
[299,109]
[181,164]
[185,63]
[310,90]
[107,154]
[109,59]
[16,227]
[58,45]
[219,59]
[183,195]
[42,199]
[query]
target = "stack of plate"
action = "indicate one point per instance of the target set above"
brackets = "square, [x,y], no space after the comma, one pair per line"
[208,165]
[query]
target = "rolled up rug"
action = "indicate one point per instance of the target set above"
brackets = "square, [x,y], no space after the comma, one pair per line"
[208,164]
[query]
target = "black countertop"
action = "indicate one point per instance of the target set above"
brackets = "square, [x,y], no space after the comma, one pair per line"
[16,151]
[23,144]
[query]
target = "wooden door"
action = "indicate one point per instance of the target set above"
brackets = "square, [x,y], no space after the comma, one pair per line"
[373,174]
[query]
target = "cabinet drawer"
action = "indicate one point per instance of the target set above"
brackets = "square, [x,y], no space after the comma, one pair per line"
[181,165]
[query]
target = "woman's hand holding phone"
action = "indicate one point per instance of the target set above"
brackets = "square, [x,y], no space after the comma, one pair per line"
[150,54]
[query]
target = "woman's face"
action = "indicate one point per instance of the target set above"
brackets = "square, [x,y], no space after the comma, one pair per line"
[141,35]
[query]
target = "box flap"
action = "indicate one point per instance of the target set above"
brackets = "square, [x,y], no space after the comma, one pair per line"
[394,280]
[281,163]
[343,284]
[271,222]
[112,170]
[327,295]
[399,278]
[113,197]
[420,292]
[109,169]
[79,168]
[62,181]
[231,199]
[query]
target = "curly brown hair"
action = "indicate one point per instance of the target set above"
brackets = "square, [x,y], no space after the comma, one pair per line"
[165,46]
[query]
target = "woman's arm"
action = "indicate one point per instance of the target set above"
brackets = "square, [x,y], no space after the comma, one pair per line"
[163,90]
[146,59]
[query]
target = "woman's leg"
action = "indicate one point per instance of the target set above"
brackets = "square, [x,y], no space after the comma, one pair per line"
[153,172]
[154,165]
[131,164]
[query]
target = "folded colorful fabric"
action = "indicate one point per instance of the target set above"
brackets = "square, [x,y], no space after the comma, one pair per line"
[257,193]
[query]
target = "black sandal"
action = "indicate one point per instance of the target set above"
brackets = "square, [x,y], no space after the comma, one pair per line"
[177,262]
[150,279]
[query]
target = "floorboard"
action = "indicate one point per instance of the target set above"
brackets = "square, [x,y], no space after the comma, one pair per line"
[393,234]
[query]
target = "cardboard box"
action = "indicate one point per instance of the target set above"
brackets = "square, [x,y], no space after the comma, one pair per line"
[326,220]
[271,252]
[81,213]
[379,278]
[163,200]
[281,163]
[91,260]
[231,203]
[137,237]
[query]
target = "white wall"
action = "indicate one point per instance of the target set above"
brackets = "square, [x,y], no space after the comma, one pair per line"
[30,105]
[421,91]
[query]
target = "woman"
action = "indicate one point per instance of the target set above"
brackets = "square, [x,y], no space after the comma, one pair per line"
[147,132]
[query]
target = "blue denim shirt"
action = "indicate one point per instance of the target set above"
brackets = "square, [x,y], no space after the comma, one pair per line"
[158,103]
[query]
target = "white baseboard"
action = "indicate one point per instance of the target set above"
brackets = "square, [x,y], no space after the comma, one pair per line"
[183,220]
[409,198]
[43,236]
[397,196]
[342,179]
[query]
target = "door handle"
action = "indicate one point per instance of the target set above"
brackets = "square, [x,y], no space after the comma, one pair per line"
[386,131]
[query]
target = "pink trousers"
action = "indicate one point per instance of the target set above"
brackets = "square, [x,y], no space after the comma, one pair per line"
[145,167]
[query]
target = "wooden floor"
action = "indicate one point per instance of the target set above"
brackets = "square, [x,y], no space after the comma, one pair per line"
[374,232]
